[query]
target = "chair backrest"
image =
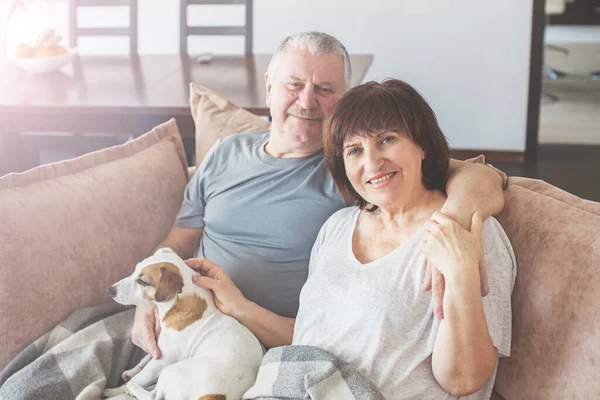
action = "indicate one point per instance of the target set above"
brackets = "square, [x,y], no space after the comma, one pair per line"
[186,30]
[555,6]
[130,31]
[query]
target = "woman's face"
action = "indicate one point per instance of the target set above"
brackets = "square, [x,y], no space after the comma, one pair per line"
[383,169]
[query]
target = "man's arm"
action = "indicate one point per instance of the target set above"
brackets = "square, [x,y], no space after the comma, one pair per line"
[271,329]
[184,241]
[472,187]
[146,326]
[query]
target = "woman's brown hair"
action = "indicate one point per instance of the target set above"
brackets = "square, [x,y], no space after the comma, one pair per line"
[373,108]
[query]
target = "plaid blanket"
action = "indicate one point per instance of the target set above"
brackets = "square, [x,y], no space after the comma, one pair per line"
[306,372]
[77,359]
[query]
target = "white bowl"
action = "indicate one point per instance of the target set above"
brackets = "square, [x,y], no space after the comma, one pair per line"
[44,64]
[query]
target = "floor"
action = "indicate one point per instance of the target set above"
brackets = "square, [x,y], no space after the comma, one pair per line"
[569,135]
[574,118]
[574,168]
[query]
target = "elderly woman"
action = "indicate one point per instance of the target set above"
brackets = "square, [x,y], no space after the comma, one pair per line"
[363,300]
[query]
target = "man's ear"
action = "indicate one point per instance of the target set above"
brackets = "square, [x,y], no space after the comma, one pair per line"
[268,86]
[169,285]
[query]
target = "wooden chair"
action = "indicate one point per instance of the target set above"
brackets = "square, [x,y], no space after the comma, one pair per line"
[131,31]
[186,30]
[553,7]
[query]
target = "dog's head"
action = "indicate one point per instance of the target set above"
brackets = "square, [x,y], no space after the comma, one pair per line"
[158,278]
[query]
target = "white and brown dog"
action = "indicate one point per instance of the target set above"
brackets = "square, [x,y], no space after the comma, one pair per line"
[205,354]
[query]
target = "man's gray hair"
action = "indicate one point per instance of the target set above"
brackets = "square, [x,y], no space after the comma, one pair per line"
[317,43]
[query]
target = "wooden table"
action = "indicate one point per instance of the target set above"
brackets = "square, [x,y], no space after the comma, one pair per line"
[130,95]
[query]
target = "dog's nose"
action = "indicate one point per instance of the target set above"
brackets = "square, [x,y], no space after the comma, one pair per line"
[112,291]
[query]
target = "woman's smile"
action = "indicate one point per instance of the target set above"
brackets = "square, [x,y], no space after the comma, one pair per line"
[380,180]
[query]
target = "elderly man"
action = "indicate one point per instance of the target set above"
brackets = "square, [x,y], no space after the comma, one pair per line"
[257,201]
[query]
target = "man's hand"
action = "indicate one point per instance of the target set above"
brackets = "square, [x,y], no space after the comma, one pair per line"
[435,282]
[146,328]
[228,298]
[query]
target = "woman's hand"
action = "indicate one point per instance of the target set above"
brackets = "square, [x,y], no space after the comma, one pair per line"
[271,329]
[228,298]
[452,249]
[146,328]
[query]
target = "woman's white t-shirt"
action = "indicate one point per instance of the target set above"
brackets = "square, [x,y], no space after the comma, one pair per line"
[376,317]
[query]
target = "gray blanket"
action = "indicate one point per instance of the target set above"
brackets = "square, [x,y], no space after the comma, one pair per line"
[305,372]
[81,356]
[91,348]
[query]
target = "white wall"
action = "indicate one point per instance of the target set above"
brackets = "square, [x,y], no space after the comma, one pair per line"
[469,58]
[572,34]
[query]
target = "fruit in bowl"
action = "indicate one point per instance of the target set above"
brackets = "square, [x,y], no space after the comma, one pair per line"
[51,51]
[24,51]
[46,55]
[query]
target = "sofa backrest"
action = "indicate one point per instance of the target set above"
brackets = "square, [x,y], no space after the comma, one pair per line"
[556,300]
[216,117]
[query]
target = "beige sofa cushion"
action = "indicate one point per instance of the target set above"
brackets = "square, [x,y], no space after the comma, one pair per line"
[215,117]
[72,228]
[556,300]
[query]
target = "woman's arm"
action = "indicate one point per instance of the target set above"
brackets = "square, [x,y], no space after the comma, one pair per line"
[464,356]
[271,329]
[471,187]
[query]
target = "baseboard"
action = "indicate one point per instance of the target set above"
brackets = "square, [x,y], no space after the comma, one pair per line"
[490,155]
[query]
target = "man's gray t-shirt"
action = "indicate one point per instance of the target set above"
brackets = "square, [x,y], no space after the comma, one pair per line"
[261,216]
[376,317]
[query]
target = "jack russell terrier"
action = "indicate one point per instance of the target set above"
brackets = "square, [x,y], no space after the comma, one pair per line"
[206,355]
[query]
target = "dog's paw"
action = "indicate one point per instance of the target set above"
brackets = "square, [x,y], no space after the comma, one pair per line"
[108,393]
[130,373]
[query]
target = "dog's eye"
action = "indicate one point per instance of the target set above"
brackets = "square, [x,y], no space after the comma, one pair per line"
[141,282]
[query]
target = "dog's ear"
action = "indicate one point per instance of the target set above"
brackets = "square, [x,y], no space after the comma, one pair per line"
[169,285]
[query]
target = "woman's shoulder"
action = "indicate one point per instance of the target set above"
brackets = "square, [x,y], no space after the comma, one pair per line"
[492,229]
[495,242]
[343,215]
[493,232]
[341,220]
[336,226]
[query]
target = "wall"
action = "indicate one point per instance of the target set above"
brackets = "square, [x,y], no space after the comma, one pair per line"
[469,58]
[572,34]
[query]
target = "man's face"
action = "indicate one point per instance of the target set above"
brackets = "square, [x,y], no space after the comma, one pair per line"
[305,87]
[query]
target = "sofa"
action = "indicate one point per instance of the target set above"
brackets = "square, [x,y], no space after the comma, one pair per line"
[72,228]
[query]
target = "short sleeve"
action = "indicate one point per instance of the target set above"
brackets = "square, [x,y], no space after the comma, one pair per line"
[501,269]
[314,254]
[191,213]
